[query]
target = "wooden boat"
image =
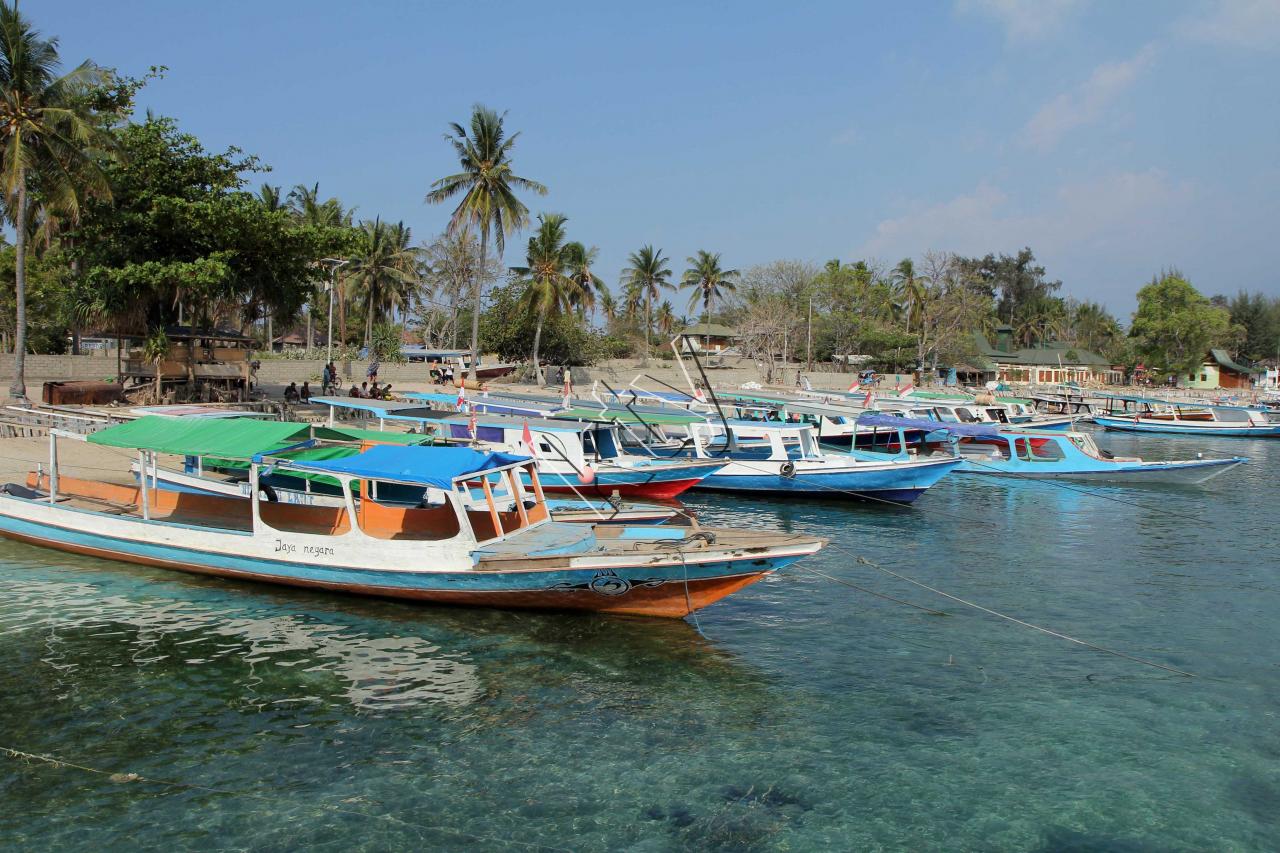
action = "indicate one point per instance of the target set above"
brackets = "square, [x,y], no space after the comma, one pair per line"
[572,458]
[449,554]
[281,487]
[1016,452]
[1145,414]
[785,458]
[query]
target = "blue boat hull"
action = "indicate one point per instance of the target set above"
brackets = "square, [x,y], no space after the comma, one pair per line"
[1128,425]
[902,486]
[640,590]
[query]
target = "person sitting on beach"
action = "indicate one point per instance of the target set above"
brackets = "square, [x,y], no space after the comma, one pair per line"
[291,393]
[364,390]
[385,394]
[305,393]
[354,392]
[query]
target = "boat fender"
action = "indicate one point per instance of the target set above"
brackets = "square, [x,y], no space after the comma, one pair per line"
[1106,454]
[268,492]
[787,469]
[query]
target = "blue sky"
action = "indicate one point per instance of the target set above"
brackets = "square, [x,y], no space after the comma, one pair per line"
[1115,139]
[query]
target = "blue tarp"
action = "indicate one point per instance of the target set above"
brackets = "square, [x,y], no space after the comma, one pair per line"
[428,466]
[926,425]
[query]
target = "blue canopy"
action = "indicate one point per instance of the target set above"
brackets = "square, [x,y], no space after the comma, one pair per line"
[428,466]
[892,422]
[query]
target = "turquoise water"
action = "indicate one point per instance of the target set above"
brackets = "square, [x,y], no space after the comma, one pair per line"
[810,716]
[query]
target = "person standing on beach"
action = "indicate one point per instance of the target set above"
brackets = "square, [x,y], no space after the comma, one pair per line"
[372,373]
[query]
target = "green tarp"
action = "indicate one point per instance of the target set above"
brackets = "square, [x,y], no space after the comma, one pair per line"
[623,416]
[228,438]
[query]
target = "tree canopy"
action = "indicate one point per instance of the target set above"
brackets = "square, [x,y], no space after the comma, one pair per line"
[1175,325]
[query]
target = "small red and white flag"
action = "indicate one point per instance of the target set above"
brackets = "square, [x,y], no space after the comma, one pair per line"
[866,401]
[699,396]
[461,403]
[568,389]
[906,392]
[855,386]
[471,424]
[527,438]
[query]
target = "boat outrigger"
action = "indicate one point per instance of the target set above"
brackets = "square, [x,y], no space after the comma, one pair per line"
[450,553]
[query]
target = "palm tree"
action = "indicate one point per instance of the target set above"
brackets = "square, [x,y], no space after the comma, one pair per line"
[586,284]
[487,185]
[548,285]
[385,269]
[666,317]
[307,208]
[647,275]
[608,306]
[271,198]
[912,293]
[155,349]
[47,130]
[709,282]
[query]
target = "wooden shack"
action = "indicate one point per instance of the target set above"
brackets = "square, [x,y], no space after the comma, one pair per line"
[205,362]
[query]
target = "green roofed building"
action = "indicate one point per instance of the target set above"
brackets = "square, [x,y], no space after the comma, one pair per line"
[1219,371]
[1051,364]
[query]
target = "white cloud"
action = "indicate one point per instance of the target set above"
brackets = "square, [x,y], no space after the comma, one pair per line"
[1086,103]
[1023,20]
[1121,226]
[1236,23]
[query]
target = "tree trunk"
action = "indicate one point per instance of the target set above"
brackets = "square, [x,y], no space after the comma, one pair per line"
[537,341]
[310,333]
[18,388]
[368,323]
[648,323]
[706,311]
[477,289]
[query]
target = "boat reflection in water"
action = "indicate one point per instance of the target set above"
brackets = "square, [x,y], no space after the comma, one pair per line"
[298,649]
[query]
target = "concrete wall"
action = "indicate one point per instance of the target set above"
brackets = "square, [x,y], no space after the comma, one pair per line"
[278,372]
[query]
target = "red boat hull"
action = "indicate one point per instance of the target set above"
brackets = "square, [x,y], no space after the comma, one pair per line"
[662,490]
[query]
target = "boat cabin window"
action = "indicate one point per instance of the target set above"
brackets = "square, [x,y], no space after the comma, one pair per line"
[1232,415]
[1038,450]
[421,523]
[965,415]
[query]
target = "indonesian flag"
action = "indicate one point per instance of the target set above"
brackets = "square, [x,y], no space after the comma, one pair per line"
[461,403]
[527,439]
[471,424]
[855,386]
[906,392]
[699,396]
[866,401]
[568,389]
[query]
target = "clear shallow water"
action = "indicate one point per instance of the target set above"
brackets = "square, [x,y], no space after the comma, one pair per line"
[811,716]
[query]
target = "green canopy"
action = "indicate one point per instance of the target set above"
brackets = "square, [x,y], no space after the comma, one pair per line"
[609,416]
[229,438]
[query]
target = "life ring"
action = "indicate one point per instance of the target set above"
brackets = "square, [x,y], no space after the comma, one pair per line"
[787,469]
[268,492]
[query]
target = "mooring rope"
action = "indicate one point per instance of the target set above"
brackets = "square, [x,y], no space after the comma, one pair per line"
[123,778]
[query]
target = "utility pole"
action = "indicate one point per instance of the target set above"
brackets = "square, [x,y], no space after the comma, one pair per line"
[808,344]
[331,287]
